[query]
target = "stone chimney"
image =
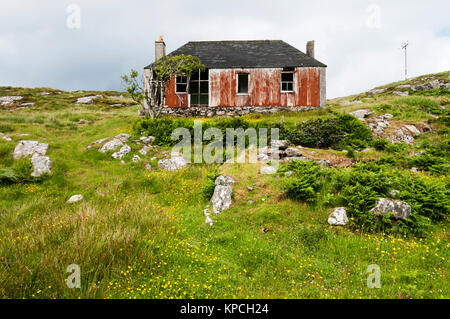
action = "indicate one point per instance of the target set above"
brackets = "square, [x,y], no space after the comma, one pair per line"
[160,48]
[310,48]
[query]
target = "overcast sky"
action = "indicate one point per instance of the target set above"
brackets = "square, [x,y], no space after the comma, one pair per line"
[42,46]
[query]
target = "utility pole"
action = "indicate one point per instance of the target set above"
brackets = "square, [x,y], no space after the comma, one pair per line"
[405,47]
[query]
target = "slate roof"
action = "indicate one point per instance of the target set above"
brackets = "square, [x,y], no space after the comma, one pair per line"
[247,54]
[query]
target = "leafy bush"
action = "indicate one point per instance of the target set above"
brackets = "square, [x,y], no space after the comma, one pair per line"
[335,132]
[306,181]
[380,144]
[208,188]
[8,176]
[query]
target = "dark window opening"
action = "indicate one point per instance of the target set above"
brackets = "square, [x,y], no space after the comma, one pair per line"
[287,82]
[199,88]
[242,87]
[181,84]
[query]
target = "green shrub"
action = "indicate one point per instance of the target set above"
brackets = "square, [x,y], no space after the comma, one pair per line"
[23,169]
[8,176]
[306,181]
[335,132]
[210,185]
[380,144]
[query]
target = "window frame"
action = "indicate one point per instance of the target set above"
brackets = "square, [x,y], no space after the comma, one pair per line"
[292,82]
[176,84]
[248,83]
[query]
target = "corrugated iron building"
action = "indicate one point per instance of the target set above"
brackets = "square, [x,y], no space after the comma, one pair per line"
[268,73]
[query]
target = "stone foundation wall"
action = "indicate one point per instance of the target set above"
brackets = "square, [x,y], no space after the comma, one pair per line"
[231,111]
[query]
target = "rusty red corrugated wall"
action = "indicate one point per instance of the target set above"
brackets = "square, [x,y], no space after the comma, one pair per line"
[264,89]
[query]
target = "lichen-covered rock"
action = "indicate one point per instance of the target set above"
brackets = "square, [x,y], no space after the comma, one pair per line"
[136,158]
[281,144]
[147,140]
[41,164]
[122,152]
[8,100]
[75,198]
[348,103]
[96,143]
[376,91]
[268,170]
[221,199]
[400,210]
[361,114]
[401,93]
[172,164]
[224,181]
[123,137]
[27,148]
[292,152]
[338,217]
[111,145]
[88,99]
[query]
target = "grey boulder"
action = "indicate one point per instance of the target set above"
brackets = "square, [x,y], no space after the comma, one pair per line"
[400,210]
[27,148]
[111,145]
[338,217]
[41,164]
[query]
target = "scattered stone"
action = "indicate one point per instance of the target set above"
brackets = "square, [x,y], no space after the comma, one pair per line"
[292,152]
[400,210]
[412,129]
[41,164]
[289,173]
[250,189]
[149,167]
[268,170]
[136,158]
[361,114]
[394,193]
[8,100]
[122,152]
[7,138]
[348,103]
[415,170]
[376,91]
[123,137]
[401,93]
[281,144]
[209,221]
[402,136]
[27,148]
[379,123]
[111,145]
[27,104]
[172,164]
[147,140]
[224,181]
[263,158]
[44,93]
[96,143]
[75,198]
[250,202]
[338,217]
[153,158]
[403,86]
[82,122]
[143,151]
[122,162]
[324,163]
[88,99]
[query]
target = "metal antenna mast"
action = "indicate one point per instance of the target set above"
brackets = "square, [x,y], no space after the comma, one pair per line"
[405,47]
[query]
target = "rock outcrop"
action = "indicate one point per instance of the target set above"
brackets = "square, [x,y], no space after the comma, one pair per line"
[27,148]
[41,164]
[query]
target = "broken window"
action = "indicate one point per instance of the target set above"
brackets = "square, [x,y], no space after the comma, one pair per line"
[181,84]
[287,82]
[242,85]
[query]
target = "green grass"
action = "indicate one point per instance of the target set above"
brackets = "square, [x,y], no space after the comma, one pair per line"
[142,234]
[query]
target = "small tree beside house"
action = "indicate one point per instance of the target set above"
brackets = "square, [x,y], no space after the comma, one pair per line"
[151,94]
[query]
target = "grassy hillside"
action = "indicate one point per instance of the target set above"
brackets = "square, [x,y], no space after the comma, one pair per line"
[142,234]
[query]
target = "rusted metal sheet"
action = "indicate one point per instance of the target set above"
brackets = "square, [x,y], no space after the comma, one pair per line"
[175,99]
[264,89]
